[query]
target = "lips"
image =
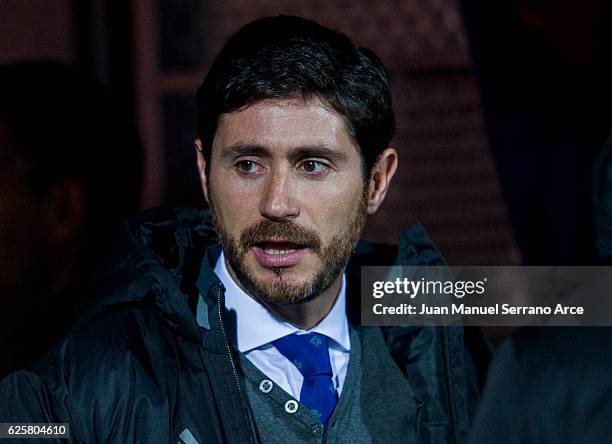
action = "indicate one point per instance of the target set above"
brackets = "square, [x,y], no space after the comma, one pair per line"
[278,253]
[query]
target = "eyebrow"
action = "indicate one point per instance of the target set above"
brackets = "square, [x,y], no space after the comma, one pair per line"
[298,152]
[240,149]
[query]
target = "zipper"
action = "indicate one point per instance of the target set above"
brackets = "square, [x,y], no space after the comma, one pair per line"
[245,408]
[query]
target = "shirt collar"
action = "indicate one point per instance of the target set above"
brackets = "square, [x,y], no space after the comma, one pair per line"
[256,326]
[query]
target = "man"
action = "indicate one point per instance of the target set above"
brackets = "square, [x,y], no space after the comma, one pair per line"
[59,138]
[257,338]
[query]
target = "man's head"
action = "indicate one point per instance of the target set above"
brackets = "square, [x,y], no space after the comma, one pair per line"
[294,124]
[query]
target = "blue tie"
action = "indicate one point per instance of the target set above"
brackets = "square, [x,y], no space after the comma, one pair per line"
[310,355]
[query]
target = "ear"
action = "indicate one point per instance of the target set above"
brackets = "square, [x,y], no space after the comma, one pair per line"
[380,178]
[66,210]
[202,167]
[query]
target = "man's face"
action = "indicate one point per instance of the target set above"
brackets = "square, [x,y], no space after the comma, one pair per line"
[287,197]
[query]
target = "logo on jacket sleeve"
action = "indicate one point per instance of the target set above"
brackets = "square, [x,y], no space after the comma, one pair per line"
[186,437]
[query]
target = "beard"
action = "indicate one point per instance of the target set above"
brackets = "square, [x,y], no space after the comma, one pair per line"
[333,256]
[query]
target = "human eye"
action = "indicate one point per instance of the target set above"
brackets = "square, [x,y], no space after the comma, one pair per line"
[248,167]
[314,167]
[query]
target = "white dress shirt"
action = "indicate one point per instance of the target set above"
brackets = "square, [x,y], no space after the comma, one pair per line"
[257,327]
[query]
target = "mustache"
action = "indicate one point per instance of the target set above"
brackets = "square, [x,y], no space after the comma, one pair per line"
[287,231]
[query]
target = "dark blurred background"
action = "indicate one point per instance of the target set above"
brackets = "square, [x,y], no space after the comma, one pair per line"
[503,106]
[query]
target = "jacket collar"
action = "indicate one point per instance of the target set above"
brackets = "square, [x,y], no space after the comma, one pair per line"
[208,285]
[168,256]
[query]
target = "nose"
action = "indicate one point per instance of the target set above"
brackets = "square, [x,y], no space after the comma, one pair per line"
[279,200]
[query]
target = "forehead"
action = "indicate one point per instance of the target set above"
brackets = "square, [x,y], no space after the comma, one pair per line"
[284,123]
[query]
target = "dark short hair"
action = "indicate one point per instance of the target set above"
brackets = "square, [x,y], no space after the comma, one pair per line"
[286,57]
[64,125]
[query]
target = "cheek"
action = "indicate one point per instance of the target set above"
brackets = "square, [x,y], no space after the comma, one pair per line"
[335,207]
[233,203]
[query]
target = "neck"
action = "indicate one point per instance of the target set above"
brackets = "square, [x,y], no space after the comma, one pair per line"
[308,314]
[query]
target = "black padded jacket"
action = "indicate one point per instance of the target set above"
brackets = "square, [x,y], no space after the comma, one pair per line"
[139,368]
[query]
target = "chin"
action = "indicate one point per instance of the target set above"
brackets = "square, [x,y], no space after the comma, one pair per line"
[282,287]
[271,278]
[290,296]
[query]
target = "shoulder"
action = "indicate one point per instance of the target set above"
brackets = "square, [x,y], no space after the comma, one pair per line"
[549,384]
[89,379]
[107,376]
[540,352]
[108,347]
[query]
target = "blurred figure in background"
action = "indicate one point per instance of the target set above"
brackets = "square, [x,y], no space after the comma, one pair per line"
[544,70]
[552,384]
[602,203]
[70,169]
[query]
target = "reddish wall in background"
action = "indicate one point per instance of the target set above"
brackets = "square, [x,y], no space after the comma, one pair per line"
[36,29]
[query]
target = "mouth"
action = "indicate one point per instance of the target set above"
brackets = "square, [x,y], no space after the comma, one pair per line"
[278,253]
